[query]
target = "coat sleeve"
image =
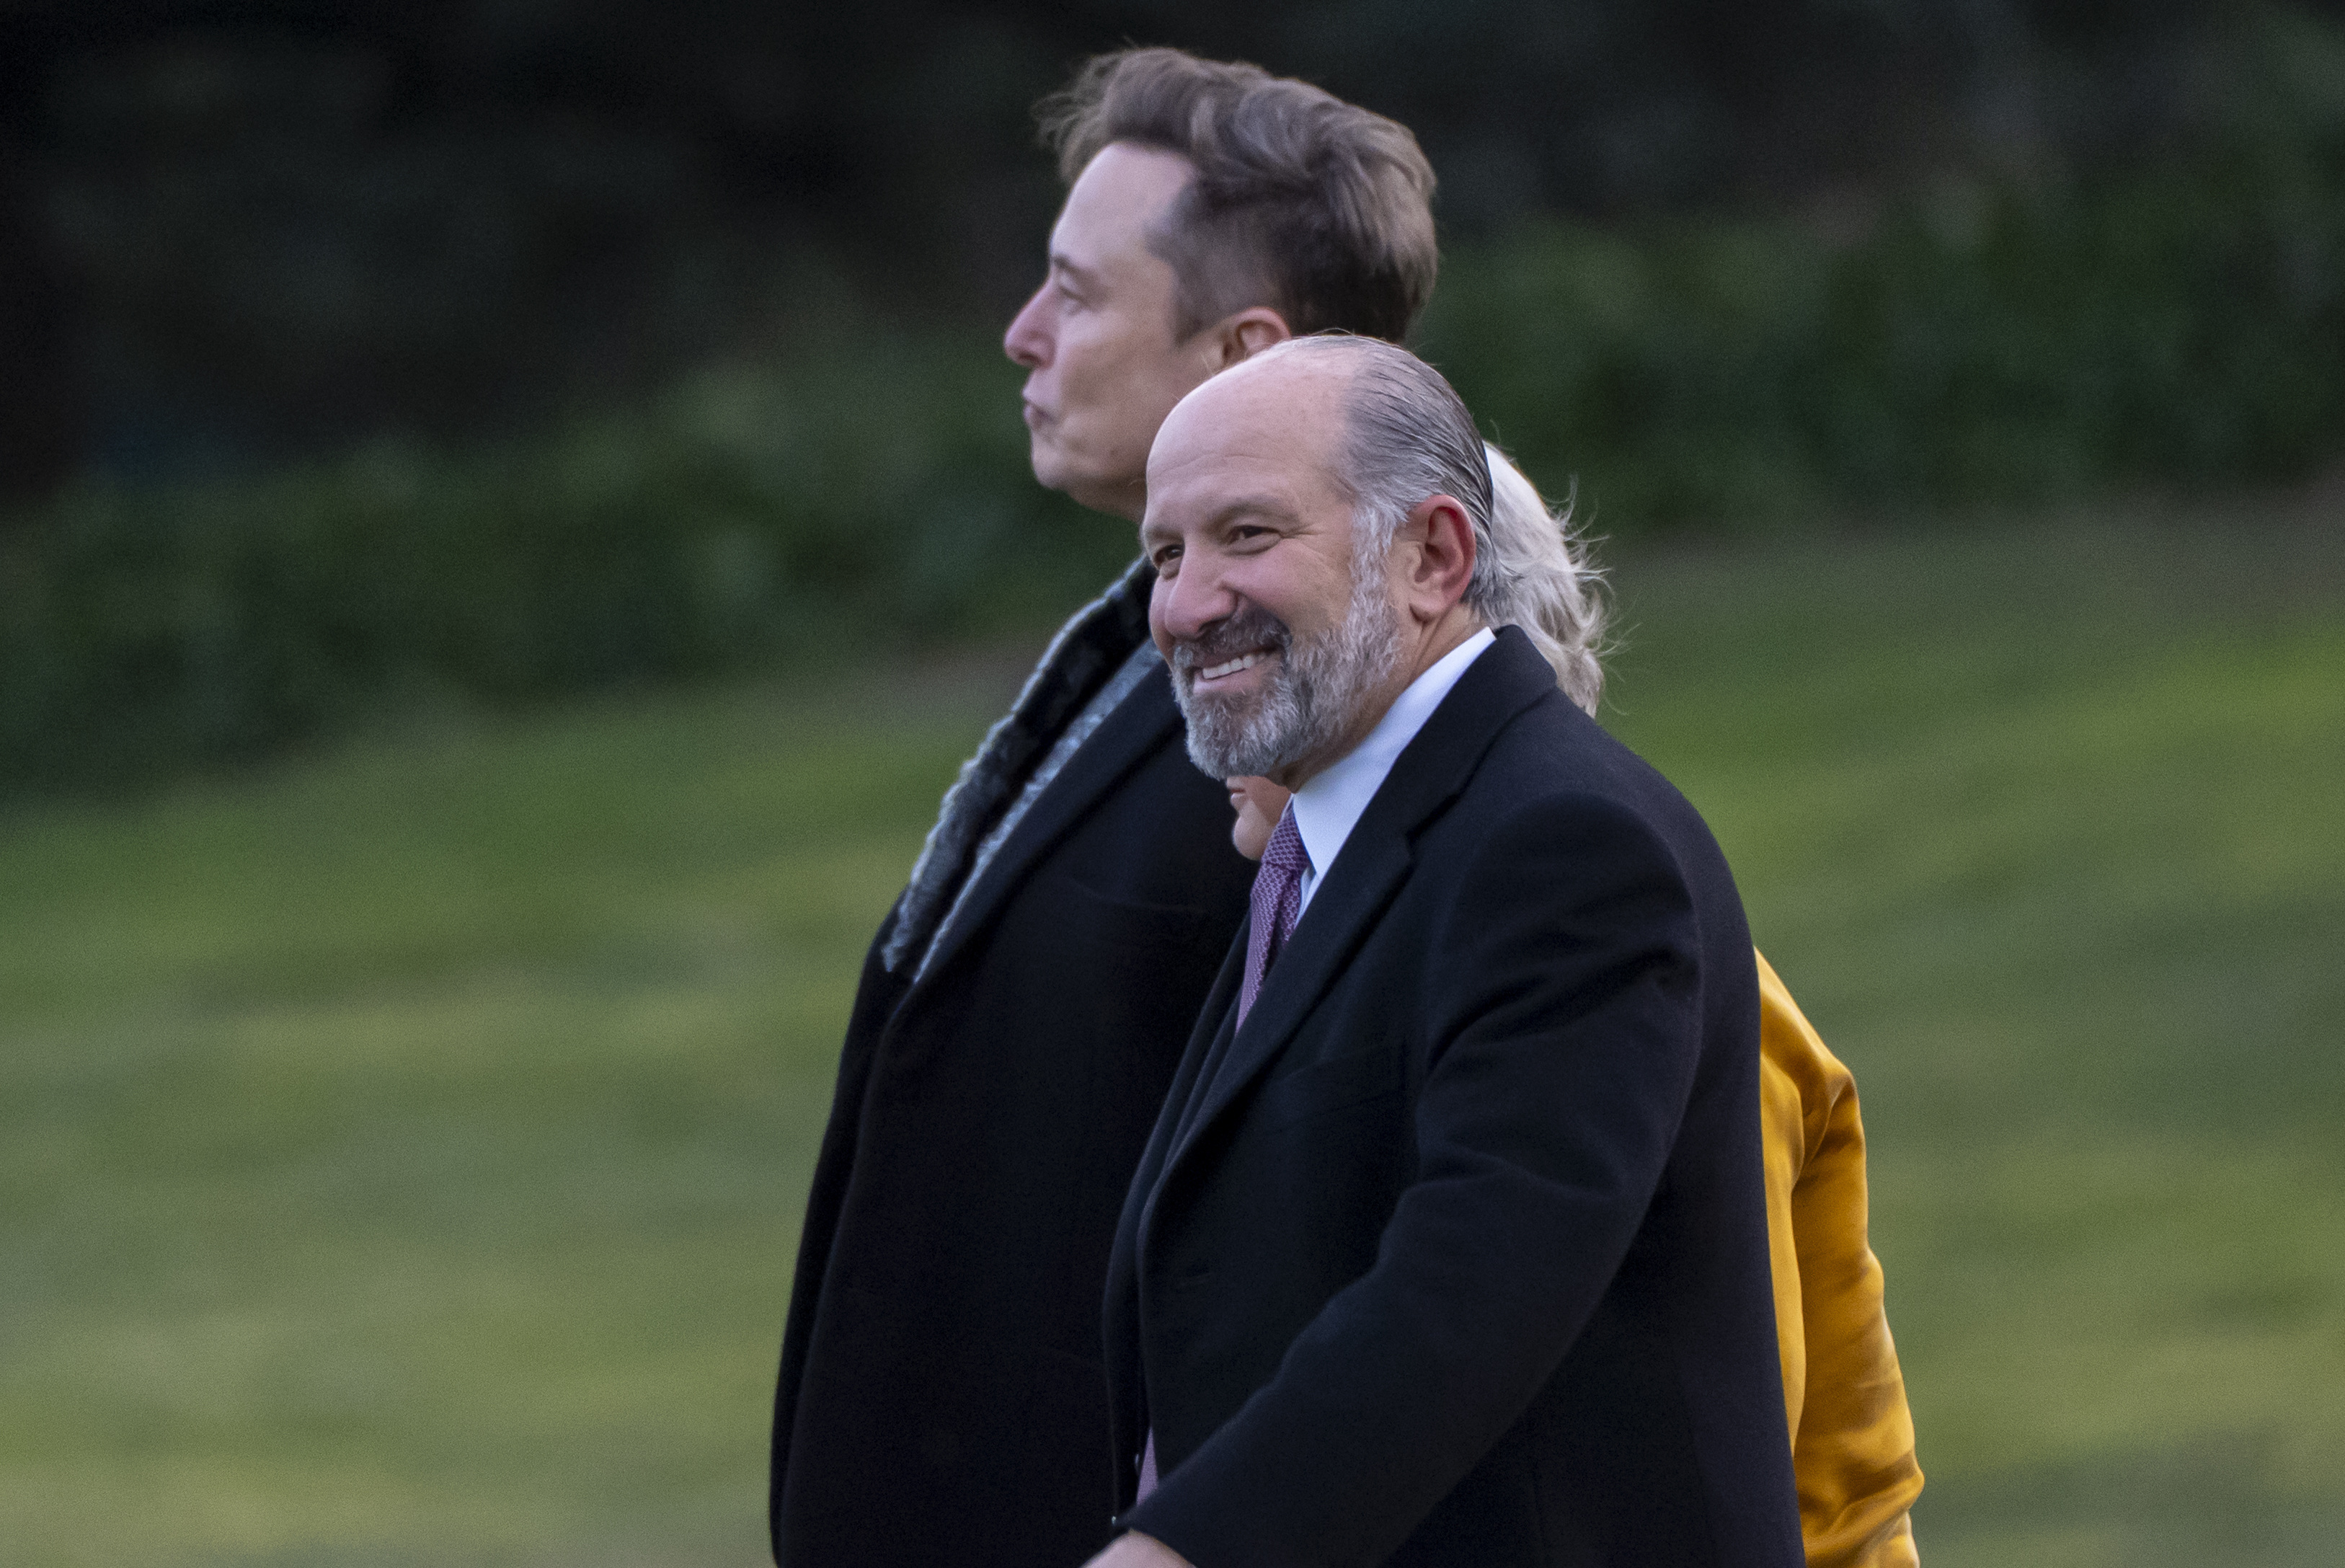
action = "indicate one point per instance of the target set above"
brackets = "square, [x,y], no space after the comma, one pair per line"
[1559,1043]
[1852,1436]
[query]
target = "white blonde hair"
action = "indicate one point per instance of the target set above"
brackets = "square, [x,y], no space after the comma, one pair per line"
[1544,582]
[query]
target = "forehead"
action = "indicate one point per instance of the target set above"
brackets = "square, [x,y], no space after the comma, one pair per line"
[1116,201]
[1265,430]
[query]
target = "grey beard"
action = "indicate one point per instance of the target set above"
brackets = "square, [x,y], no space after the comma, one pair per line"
[1315,696]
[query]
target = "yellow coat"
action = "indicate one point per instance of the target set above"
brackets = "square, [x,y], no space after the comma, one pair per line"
[1852,1436]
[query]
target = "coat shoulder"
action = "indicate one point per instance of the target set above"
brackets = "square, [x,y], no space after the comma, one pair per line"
[1552,752]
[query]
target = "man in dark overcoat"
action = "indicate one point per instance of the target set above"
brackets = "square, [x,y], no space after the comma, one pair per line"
[942,1394]
[1449,1248]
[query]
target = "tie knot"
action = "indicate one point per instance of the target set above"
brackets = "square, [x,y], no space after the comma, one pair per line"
[1283,857]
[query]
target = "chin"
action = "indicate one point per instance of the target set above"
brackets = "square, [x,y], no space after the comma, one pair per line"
[1084,483]
[1054,471]
[1050,468]
[1115,495]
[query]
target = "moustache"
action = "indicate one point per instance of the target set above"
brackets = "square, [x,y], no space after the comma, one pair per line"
[1242,632]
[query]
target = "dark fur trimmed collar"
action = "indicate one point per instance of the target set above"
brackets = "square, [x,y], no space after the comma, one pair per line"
[1088,650]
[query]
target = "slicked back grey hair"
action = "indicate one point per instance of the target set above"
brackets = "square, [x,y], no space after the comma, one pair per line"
[1302,202]
[1407,437]
[1546,581]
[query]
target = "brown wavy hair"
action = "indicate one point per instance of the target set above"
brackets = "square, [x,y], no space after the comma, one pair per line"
[1303,202]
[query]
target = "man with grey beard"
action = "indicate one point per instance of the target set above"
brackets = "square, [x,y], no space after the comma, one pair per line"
[1449,1247]
[1314,687]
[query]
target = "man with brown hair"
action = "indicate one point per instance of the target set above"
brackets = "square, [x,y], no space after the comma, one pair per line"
[1211,210]
[942,1391]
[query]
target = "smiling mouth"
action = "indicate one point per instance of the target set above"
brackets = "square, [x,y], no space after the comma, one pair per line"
[1244,661]
[1227,649]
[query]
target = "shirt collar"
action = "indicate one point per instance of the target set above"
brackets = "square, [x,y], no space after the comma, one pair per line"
[1329,805]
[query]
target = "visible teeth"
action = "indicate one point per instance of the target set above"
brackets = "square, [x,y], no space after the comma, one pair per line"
[1215,672]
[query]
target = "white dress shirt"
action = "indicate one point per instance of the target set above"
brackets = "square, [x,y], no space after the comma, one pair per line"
[1329,804]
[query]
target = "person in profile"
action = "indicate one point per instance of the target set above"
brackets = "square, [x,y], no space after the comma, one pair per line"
[1449,1247]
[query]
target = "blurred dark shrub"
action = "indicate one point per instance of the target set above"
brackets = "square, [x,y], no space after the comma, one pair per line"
[2184,325]
[1979,347]
[795,518]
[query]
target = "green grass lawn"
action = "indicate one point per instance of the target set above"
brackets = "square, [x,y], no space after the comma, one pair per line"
[400,1150]
[2046,831]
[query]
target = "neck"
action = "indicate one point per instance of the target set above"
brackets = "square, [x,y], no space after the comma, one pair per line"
[1440,639]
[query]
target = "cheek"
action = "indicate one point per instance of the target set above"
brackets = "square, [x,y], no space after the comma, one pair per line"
[1127,371]
[1313,588]
[1272,591]
[1094,352]
[1095,397]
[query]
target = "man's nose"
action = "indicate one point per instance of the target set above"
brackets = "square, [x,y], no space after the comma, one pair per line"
[1028,340]
[1192,599]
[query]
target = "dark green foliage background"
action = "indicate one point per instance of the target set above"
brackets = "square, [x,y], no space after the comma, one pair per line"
[2182,326]
[746,521]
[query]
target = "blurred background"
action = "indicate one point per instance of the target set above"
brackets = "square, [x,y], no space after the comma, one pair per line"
[512,512]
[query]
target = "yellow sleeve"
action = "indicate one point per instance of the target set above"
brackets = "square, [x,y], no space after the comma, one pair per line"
[1844,1396]
[1784,1145]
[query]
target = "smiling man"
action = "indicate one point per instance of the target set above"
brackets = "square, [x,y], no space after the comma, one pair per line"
[942,1395]
[1449,1249]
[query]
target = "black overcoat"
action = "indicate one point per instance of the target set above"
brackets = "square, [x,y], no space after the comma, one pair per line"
[941,1395]
[1456,1253]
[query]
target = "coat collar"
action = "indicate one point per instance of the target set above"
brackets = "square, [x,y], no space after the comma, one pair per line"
[1138,724]
[1086,654]
[1376,860]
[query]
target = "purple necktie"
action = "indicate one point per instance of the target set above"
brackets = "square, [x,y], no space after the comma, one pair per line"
[1274,905]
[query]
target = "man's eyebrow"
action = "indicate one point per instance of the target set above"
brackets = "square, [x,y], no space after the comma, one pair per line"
[1062,262]
[1244,506]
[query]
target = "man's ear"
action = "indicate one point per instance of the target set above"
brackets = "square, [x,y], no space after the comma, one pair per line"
[1440,559]
[1238,338]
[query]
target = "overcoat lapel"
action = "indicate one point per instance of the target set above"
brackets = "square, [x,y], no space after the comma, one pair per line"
[1340,916]
[1122,741]
[1372,866]
[1209,1042]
